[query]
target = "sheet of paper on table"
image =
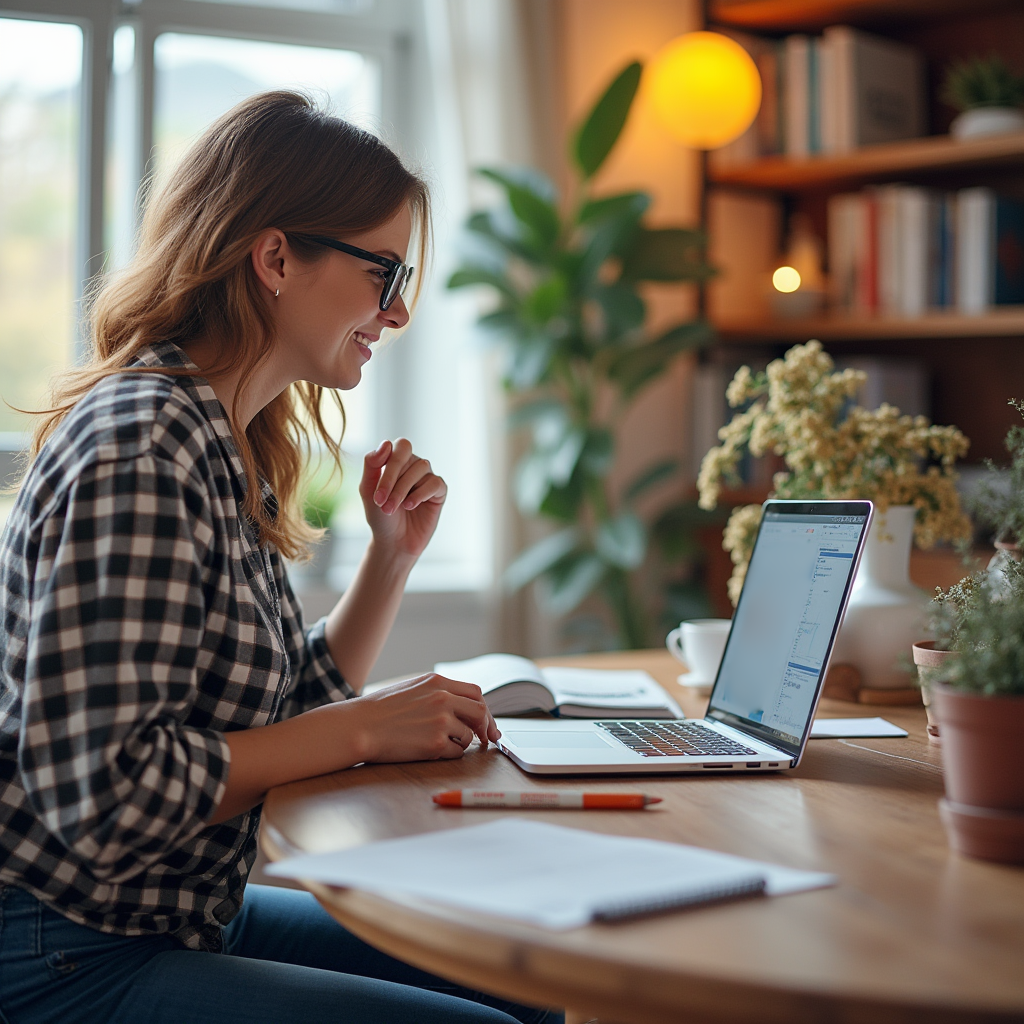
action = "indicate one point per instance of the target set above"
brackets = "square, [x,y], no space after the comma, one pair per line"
[546,874]
[853,728]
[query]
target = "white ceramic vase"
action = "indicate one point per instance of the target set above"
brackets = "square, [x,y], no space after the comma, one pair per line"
[887,613]
[979,121]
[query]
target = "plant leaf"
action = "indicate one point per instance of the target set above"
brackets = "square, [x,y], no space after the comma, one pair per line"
[539,558]
[539,409]
[529,360]
[650,477]
[546,300]
[665,254]
[537,213]
[563,503]
[467,277]
[622,542]
[573,580]
[603,125]
[631,204]
[502,230]
[640,364]
[599,451]
[623,309]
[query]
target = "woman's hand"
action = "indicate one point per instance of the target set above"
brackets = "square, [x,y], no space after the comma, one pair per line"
[421,719]
[402,497]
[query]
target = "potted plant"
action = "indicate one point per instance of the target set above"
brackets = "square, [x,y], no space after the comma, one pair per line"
[979,704]
[931,657]
[800,409]
[567,277]
[321,499]
[987,94]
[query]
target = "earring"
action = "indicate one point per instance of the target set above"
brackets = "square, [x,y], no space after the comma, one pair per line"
[278,292]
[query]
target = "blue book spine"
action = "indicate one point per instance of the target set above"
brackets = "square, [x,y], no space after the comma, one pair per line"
[1009,252]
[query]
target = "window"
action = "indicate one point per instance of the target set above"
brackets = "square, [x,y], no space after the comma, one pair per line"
[94,93]
[40,123]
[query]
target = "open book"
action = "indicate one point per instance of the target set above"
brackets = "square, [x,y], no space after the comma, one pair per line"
[515,686]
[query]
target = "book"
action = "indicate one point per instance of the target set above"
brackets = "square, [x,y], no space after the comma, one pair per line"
[516,686]
[797,105]
[547,875]
[876,88]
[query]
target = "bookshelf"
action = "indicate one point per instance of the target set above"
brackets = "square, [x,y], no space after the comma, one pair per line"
[1003,322]
[918,158]
[975,362]
[811,15]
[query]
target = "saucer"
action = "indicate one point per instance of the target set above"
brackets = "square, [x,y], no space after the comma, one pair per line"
[695,683]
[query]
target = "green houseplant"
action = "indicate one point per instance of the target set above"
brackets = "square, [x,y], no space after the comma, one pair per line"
[566,276]
[978,700]
[987,94]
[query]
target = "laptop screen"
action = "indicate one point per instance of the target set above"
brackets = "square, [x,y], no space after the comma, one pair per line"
[787,617]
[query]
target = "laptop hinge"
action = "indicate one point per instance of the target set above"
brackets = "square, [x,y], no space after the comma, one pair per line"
[745,737]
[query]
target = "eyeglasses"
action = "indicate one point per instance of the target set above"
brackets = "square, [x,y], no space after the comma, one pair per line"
[396,278]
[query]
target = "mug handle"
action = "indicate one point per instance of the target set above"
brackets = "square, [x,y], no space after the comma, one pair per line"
[674,644]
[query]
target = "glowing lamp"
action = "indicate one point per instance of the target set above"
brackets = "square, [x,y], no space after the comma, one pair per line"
[786,279]
[705,89]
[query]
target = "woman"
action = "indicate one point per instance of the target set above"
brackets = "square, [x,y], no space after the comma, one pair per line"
[156,678]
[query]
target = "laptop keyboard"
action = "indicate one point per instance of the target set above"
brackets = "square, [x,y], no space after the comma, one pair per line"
[672,739]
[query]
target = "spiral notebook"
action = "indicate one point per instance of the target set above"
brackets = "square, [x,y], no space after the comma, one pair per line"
[546,874]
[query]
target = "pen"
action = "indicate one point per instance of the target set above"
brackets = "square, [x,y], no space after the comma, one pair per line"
[544,798]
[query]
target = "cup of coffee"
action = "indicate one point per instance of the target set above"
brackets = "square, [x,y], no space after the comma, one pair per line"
[699,644]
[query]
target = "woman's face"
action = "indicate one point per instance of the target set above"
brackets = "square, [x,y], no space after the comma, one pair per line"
[328,314]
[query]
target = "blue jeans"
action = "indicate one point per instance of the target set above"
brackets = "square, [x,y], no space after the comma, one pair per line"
[286,960]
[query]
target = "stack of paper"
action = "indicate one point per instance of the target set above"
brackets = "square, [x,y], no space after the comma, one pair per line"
[545,874]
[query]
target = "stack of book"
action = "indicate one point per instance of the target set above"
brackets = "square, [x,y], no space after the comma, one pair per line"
[831,94]
[901,250]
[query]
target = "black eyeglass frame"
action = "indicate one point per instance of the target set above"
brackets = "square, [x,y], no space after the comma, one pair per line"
[398,276]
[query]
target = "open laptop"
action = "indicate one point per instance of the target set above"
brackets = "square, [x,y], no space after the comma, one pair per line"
[759,715]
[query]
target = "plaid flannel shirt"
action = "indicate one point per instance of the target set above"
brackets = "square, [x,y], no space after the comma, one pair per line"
[141,622]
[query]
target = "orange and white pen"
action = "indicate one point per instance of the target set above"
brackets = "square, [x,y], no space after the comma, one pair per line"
[562,798]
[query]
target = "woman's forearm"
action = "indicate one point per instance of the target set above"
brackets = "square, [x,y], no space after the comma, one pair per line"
[361,621]
[297,748]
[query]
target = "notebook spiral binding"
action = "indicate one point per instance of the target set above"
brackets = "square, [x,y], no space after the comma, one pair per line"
[714,894]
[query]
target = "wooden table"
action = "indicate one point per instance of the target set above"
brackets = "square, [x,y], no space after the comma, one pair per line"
[911,933]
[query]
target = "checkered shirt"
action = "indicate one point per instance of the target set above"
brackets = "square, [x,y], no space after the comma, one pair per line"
[141,622]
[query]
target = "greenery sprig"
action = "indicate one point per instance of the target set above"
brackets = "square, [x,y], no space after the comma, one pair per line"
[982,82]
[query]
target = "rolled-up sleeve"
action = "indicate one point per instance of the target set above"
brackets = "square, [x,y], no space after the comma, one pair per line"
[119,612]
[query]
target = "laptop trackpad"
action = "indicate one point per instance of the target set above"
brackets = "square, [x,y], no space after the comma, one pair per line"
[558,739]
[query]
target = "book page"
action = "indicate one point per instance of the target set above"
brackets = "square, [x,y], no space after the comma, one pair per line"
[490,671]
[604,688]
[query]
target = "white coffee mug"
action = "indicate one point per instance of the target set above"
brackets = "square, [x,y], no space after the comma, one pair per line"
[699,644]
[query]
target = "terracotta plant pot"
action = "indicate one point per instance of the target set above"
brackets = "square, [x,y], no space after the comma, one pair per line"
[928,660]
[983,755]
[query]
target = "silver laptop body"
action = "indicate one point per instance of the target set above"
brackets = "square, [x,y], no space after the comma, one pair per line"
[770,679]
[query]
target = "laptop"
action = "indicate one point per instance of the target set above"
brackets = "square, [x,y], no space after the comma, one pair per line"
[770,678]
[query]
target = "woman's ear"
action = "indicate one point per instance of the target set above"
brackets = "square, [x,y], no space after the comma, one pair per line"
[269,258]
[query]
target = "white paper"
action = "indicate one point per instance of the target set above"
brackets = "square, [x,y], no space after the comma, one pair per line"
[539,873]
[853,728]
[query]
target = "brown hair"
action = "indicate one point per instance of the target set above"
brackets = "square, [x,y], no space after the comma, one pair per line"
[275,160]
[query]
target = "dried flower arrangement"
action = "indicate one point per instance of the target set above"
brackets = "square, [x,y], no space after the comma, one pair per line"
[800,409]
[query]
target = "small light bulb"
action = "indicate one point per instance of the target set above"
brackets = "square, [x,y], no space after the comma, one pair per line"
[786,279]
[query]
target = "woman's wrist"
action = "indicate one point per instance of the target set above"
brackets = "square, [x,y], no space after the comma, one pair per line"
[389,566]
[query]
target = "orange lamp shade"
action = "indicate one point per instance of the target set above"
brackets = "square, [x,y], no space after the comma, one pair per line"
[704,88]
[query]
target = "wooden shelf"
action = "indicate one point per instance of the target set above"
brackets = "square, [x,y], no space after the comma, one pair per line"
[1007,322]
[931,155]
[812,15]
